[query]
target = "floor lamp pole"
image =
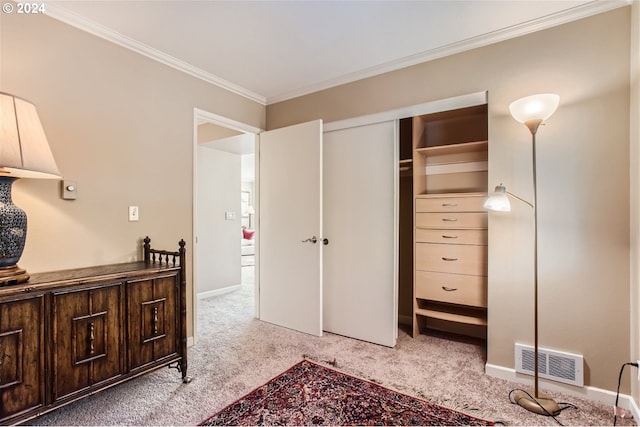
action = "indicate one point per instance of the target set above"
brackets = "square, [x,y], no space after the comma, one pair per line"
[538,403]
[535,262]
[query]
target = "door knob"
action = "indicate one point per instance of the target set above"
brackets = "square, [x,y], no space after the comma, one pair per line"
[325,241]
[312,239]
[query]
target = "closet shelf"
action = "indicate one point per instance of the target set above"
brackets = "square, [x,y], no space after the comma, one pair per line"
[464,147]
[452,317]
[456,167]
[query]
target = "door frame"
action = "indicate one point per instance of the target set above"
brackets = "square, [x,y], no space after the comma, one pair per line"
[200,116]
[468,100]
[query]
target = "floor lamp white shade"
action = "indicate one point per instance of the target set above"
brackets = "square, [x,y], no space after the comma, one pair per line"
[535,109]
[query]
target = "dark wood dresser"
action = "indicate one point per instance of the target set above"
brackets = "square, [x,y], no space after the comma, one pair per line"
[65,335]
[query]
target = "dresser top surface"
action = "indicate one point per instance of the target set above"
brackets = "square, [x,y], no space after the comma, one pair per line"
[101,273]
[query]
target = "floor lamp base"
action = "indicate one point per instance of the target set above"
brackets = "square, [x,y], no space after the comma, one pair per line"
[543,404]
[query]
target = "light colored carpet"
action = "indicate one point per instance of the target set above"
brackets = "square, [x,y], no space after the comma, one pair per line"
[236,353]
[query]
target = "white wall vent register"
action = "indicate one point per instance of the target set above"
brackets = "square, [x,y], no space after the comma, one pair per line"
[553,365]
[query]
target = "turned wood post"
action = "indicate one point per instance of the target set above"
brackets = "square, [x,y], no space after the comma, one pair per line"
[147,250]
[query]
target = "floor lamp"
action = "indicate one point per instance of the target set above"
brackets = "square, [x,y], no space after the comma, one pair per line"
[531,111]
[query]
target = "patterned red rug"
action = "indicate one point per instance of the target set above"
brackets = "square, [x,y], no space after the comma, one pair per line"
[312,394]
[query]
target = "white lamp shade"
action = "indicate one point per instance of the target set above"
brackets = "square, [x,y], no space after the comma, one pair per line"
[534,107]
[498,200]
[24,150]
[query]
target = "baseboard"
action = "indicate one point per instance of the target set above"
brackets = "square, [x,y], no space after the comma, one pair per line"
[592,393]
[217,292]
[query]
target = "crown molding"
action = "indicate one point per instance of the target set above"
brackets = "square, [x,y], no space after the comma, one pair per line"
[588,9]
[75,20]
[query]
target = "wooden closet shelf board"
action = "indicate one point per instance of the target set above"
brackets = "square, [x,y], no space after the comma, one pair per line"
[457,167]
[452,317]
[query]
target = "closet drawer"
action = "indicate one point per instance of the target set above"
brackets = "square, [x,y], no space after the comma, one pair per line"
[457,237]
[460,259]
[452,288]
[451,204]
[452,220]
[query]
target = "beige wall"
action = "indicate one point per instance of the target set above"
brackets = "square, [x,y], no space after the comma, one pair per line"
[119,124]
[218,192]
[583,170]
[210,132]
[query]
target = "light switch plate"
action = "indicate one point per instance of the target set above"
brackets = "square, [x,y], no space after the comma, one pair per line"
[134,213]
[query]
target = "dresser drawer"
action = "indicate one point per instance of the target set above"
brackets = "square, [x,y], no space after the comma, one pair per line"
[460,259]
[458,237]
[452,288]
[451,204]
[452,220]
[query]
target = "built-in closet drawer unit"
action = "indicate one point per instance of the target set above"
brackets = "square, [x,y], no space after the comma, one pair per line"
[450,174]
[450,281]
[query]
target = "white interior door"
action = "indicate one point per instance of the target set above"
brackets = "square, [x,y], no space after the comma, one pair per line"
[290,273]
[360,262]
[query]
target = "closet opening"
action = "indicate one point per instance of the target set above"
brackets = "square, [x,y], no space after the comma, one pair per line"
[443,228]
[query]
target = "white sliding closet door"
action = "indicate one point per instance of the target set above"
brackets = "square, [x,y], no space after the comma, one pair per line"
[359,219]
[290,262]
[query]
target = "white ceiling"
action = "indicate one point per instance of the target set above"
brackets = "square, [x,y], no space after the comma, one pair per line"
[274,50]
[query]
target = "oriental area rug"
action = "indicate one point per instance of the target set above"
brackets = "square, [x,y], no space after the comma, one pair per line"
[312,394]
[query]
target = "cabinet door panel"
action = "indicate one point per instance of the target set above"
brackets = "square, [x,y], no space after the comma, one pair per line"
[22,363]
[86,338]
[153,314]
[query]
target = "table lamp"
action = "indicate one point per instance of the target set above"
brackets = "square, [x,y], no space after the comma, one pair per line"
[24,153]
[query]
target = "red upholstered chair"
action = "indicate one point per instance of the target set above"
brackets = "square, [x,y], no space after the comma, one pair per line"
[247,233]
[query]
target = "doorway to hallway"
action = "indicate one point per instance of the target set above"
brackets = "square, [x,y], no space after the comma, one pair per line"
[224,212]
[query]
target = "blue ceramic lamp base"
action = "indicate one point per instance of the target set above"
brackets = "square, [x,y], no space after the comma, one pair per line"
[13,234]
